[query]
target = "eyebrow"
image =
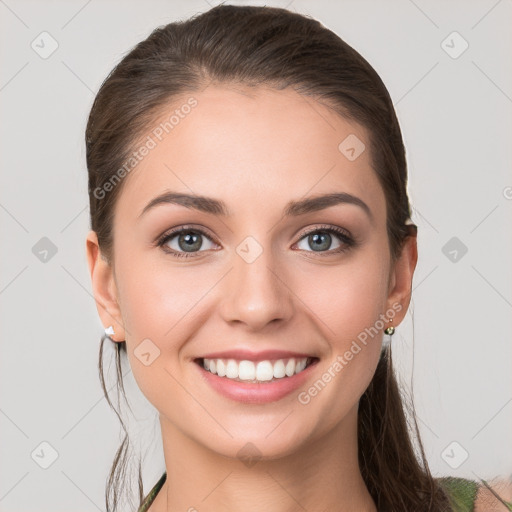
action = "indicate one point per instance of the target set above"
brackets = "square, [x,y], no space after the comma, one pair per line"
[293,208]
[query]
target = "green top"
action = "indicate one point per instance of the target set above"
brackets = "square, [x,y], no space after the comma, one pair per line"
[148,500]
[462,491]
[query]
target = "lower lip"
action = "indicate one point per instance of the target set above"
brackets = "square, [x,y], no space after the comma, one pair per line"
[259,393]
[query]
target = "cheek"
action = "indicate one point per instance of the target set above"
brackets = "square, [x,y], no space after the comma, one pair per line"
[160,308]
[347,298]
[346,303]
[158,298]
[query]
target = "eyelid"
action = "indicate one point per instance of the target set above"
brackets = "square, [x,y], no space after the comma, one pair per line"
[326,227]
[185,227]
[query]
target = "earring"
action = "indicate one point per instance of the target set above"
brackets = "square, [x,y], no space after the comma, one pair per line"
[109,331]
[389,330]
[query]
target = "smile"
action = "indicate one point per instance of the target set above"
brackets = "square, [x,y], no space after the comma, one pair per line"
[253,382]
[254,372]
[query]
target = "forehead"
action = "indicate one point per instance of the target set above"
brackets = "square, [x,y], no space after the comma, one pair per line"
[253,147]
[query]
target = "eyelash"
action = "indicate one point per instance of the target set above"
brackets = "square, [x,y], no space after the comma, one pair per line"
[341,233]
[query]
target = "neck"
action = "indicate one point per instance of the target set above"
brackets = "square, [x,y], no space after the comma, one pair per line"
[322,475]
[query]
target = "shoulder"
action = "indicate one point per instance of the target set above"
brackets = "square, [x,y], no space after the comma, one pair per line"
[471,496]
[494,496]
[462,492]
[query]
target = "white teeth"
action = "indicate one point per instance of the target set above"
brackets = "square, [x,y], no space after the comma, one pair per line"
[232,369]
[290,368]
[279,369]
[246,370]
[262,371]
[221,367]
[301,365]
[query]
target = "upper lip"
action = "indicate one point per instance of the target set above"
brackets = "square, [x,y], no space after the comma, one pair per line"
[247,355]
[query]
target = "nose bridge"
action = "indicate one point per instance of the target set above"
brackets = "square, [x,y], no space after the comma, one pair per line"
[256,294]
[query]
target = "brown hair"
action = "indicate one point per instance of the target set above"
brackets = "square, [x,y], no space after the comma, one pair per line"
[276,48]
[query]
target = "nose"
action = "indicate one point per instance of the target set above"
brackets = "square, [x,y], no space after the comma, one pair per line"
[256,293]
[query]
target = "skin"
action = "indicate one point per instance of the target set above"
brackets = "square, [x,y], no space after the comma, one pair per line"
[255,149]
[487,502]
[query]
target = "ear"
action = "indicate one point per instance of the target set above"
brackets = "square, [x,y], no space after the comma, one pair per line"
[400,281]
[104,288]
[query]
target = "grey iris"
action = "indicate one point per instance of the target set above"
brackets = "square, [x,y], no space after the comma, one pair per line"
[189,241]
[319,237]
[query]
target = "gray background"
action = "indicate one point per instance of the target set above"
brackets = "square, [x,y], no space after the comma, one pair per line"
[454,347]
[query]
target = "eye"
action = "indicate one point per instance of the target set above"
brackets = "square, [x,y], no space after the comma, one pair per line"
[321,238]
[184,240]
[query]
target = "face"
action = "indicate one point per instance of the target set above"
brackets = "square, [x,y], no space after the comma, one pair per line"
[312,282]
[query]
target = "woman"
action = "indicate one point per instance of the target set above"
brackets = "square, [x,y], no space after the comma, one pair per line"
[251,253]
